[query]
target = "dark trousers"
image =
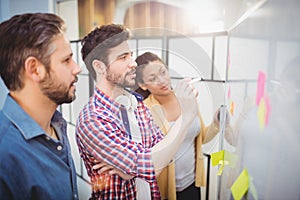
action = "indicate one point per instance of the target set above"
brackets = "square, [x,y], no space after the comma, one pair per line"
[190,193]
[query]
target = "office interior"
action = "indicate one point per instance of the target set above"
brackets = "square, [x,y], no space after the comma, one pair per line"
[246,53]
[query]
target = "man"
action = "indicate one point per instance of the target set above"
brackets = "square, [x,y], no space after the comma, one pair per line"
[36,66]
[127,142]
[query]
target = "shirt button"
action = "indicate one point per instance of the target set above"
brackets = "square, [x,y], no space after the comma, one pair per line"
[59,148]
[75,196]
[47,138]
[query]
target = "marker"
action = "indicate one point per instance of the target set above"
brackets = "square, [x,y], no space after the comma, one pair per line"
[196,80]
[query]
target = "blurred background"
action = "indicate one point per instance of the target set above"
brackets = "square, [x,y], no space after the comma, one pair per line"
[247,54]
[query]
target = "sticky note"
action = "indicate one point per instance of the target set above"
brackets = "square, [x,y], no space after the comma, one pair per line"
[261,114]
[223,158]
[252,188]
[216,157]
[231,108]
[231,158]
[268,109]
[229,93]
[241,185]
[260,86]
[222,164]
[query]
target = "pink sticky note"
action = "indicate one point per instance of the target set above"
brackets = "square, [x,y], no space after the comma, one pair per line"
[260,86]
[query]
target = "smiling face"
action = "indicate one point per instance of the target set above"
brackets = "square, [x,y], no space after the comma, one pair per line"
[121,70]
[156,78]
[58,84]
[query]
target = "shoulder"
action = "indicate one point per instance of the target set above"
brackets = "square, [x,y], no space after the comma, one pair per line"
[5,125]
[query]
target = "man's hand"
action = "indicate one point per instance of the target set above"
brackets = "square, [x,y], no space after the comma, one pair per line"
[105,168]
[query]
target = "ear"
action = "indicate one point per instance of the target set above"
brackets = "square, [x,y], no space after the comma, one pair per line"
[143,86]
[99,67]
[34,69]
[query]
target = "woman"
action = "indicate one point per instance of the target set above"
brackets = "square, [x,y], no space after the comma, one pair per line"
[184,176]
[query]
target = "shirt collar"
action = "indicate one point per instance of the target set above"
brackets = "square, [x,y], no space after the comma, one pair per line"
[26,125]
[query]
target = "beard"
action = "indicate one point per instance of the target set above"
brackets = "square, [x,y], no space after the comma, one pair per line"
[119,80]
[56,91]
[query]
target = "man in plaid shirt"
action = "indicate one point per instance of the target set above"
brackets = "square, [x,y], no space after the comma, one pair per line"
[132,153]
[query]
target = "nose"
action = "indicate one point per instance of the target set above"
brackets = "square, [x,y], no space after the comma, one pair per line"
[76,68]
[132,63]
[161,80]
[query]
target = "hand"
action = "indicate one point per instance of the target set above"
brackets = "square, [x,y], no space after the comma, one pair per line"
[187,97]
[105,168]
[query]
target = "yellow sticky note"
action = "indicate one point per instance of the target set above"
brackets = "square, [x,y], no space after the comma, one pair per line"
[222,166]
[216,157]
[223,158]
[253,189]
[261,113]
[240,186]
[268,109]
[231,158]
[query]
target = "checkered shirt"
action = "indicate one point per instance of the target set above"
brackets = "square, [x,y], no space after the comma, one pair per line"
[102,137]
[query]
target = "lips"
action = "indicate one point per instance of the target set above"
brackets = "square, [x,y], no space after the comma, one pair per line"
[132,73]
[166,87]
[73,83]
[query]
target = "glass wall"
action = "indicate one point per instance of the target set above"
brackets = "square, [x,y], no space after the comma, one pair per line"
[263,79]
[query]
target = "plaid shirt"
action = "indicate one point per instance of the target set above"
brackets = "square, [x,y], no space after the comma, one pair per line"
[101,136]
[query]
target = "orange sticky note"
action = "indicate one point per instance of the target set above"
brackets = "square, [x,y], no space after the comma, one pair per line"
[268,109]
[231,109]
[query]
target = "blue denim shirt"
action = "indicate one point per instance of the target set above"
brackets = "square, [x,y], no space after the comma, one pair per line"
[32,165]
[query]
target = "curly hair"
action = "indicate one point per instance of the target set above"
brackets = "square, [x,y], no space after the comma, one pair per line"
[142,61]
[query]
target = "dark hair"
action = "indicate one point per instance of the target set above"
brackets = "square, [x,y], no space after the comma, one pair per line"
[26,35]
[142,61]
[96,44]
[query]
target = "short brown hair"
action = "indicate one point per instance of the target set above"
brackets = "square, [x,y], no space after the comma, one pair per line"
[25,35]
[96,44]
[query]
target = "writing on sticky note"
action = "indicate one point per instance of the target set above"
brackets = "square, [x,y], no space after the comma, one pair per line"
[241,185]
[260,86]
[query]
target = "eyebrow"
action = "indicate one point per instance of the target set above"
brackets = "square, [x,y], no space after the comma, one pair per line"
[70,55]
[124,54]
[153,74]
